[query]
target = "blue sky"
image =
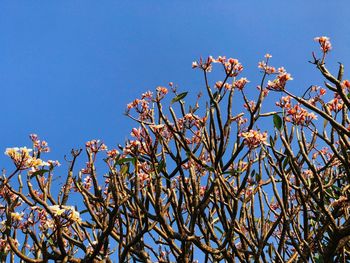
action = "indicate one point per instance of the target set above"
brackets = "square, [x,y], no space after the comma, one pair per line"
[68,68]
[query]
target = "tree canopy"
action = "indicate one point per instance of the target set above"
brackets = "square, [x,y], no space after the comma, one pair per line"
[217,180]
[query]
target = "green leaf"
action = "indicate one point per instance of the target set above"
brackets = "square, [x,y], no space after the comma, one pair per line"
[277,121]
[40,172]
[124,169]
[160,166]
[179,97]
[285,162]
[253,173]
[272,141]
[125,160]
[257,177]
[210,169]
[318,258]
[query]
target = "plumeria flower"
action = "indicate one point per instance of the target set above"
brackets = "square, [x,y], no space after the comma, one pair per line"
[17,216]
[240,84]
[253,138]
[72,214]
[325,44]
[279,83]
[22,158]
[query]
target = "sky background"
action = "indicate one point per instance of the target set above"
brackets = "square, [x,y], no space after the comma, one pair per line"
[68,68]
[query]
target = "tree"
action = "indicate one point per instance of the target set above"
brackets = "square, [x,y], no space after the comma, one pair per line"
[198,183]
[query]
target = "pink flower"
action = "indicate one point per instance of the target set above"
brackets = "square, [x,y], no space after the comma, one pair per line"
[162,90]
[253,138]
[346,84]
[279,83]
[239,84]
[325,44]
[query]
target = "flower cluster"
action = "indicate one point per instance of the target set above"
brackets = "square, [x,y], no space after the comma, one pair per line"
[265,67]
[220,84]
[40,146]
[5,246]
[295,113]
[162,90]
[95,146]
[231,65]
[253,138]
[346,84]
[250,106]
[335,104]
[142,106]
[112,153]
[141,144]
[239,84]
[68,212]
[325,44]
[280,81]
[22,158]
[190,120]
[15,216]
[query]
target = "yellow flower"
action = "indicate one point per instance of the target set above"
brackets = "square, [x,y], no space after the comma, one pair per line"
[17,216]
[73,215]
[57,210]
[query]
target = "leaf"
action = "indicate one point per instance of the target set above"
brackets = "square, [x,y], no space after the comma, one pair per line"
[124,169]
[253,173]
[210,169]
[285,162]
[325,122]
[125,160]
[179,97]
[277,121]
[40,172]
[160,166]
[257,177]
[318,258]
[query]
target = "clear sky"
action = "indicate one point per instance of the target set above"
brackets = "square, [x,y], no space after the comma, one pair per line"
[68,68]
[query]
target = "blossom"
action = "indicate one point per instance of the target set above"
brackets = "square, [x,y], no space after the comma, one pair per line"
[206,65]
[299,116]
[239,84]
[162,90]
[95,146]
[41,146]
[267,69]
[346,84]
[325,44]
[335,105]
[57,210]
[22,158]
[17,216]
[254,138]
[112,153]
[69,211]
[279,83]
[218,84]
